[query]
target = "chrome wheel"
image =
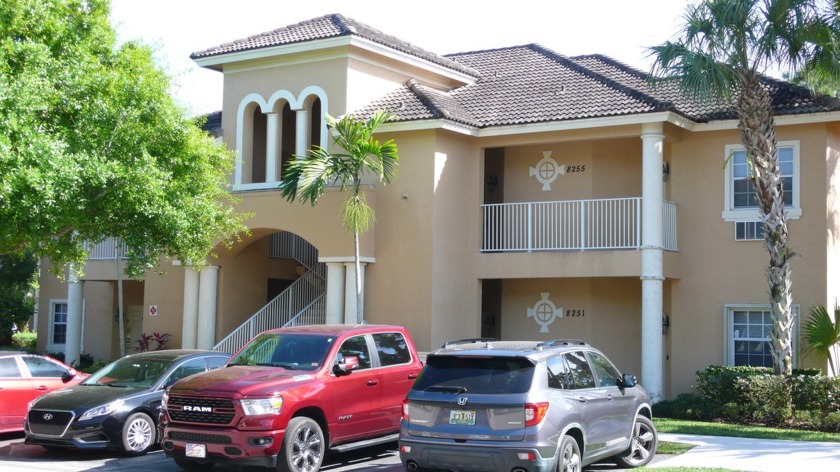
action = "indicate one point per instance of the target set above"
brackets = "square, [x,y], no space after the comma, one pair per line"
[303,447]
[569,455]
[138,434]
[642,444]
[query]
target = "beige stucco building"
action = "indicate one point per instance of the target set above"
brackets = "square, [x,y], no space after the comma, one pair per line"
[539,196]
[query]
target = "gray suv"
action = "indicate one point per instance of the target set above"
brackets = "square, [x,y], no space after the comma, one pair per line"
[524,406]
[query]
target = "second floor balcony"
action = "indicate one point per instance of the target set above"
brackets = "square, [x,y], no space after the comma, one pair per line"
[603,224]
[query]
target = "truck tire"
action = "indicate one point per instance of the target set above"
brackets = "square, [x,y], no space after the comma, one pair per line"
[303,446]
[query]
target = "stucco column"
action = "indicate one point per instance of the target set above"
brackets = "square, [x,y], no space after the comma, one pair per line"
[190,320]
[207,287]
[272,124]
[652,272]
[75,301]
[335,293]
[302,138]
[350,292]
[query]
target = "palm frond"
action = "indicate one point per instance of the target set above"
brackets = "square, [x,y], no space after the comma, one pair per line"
[821,332]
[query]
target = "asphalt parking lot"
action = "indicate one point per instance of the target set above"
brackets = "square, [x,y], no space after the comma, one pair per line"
[16,456]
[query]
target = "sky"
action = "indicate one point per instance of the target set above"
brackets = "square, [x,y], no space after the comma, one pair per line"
[621,29]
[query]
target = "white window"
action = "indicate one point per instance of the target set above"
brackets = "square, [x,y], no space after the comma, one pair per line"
[749,231]
[748,335]
[58,325]
[740,195]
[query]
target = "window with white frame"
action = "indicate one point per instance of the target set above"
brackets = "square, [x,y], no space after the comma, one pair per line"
[741,204]
[748,335]
[749,231]
[58,324]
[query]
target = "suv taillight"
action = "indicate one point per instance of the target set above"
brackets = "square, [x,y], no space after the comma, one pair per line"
[405,409]
[535,412]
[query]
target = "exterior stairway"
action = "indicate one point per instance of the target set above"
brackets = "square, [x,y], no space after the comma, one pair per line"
[303,302]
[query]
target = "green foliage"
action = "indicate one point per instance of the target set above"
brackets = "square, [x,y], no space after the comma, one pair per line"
[755,394]
[815,393]
[93,146]
[686,406]
[831,422]
[25,340]
[767,398]
[822,335]
[719,386]
[96,365]
[17,277]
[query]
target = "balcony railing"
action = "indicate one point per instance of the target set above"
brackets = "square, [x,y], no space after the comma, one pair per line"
[109,249]
[613,223]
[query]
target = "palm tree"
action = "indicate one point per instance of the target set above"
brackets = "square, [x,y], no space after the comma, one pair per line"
[822,335]
[307,177]
[724,48]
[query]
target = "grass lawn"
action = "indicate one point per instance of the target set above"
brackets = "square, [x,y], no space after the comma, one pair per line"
[667,425]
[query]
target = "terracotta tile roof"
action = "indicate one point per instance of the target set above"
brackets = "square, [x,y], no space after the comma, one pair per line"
[212,123]
[328,26]
[532,84]
[526,84]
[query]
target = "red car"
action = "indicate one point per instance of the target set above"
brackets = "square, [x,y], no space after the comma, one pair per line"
[24,377]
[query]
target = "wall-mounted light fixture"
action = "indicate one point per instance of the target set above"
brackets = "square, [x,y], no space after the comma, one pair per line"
[666,323]
[666,171]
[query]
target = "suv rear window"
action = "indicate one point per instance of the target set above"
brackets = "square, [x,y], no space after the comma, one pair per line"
[484,375]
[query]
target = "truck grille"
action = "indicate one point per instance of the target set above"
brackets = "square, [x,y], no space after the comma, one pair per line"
[200,438]
[218,411]
[49,422]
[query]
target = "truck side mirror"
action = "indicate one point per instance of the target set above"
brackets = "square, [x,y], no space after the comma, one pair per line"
[346,364]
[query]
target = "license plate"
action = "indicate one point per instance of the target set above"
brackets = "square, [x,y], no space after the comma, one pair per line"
[462,417]
[197,450]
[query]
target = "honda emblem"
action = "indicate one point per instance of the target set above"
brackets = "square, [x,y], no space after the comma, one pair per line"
[462,401]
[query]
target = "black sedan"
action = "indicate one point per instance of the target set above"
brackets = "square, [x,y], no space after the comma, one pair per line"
[116,407]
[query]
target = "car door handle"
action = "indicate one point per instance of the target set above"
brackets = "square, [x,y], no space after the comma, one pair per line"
[412,376]
[610,397]
[582,399]
[41,388]
[371,383]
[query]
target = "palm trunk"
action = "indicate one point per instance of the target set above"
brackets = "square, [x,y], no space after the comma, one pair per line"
[359,314]
[759,137]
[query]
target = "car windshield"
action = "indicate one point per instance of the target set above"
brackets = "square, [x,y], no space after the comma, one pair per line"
[464,374]
[291,351]
[130,372]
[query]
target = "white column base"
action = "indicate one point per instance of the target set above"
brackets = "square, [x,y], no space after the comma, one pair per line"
[208,285]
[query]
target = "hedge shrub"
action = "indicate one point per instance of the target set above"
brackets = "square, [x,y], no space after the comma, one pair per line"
[25,340]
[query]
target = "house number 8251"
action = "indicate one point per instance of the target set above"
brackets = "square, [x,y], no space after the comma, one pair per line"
[575,312]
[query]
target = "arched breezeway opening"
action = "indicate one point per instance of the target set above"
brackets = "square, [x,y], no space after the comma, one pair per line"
[272,279]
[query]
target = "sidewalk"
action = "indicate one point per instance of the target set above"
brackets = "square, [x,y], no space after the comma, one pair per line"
[765,455]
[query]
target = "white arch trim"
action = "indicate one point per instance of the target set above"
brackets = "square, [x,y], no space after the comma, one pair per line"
[266,106]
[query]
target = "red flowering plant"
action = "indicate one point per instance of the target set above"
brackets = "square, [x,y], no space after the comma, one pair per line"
[145,342]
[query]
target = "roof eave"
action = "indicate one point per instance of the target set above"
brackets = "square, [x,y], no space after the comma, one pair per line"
[218,61]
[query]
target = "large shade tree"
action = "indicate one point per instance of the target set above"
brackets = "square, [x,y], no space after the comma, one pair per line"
[361,154]
[721,54]
[93,146]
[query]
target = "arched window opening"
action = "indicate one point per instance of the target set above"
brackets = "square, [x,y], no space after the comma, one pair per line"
[315,124]
[288,135]
[258,144]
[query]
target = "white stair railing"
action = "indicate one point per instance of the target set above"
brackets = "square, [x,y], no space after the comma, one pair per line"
[303,300]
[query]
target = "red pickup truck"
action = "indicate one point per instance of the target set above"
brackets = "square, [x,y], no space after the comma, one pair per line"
[290,395]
